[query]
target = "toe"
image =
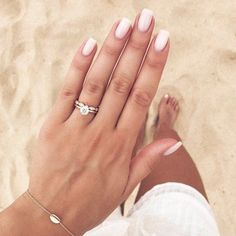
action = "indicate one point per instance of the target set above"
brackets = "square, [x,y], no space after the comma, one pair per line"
[175,102]
[168,99]
[163,102]
[165,98]
[177,107]
[172,101]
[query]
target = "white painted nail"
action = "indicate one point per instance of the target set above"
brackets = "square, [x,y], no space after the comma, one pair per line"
[166,96]
[145,20]
[89,46]
[123,28]
[161,40]
[172,149]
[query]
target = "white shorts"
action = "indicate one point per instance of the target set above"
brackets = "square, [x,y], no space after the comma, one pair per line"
[170,209]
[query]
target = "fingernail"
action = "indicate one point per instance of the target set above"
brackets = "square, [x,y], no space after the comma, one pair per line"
[123,28]
[89,46]
[166,96]
[145,20]
[172,149]
[161,40]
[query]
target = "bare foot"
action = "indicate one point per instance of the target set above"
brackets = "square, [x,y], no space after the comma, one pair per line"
[167,113]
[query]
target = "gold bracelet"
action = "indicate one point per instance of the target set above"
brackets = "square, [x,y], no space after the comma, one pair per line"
[53,217]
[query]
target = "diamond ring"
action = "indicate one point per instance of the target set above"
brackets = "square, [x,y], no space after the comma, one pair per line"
[85,109]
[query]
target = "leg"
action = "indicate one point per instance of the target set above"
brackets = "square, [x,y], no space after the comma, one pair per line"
[138,146]
[178,167]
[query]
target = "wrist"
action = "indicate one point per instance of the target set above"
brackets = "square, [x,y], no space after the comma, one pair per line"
[23,217]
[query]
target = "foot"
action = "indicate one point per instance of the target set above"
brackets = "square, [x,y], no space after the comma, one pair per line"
[167,112]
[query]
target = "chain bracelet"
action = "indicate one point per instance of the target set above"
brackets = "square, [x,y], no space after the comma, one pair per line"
[52,217]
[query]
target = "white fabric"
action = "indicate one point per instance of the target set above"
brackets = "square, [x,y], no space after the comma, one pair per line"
[170,209]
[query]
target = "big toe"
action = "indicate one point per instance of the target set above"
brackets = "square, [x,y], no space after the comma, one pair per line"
[165,99]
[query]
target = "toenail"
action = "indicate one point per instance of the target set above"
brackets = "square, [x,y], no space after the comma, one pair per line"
[166,96]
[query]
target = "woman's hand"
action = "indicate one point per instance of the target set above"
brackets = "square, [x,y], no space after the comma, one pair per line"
[83,166]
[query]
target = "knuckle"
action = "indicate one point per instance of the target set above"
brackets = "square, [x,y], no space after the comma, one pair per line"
[122,136]
[157,63]
[142,98]
[110,50]
[95,140]
[66,92]
[148,165]
[80,65]
[46,133]
[121,84]
[137,44]
[94,87]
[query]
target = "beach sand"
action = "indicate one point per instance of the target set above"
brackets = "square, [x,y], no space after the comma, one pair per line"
[39,38]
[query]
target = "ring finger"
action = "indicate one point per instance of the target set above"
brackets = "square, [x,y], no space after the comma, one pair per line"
[100,72]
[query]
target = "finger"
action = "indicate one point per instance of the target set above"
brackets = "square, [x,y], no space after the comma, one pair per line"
[142,164]
[99,74]
[127,69]
[72,86]
[145,86]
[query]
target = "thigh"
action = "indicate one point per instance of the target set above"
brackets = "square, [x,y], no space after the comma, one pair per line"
[172,209]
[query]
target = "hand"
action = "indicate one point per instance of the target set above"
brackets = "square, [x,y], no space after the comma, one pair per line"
[83,166]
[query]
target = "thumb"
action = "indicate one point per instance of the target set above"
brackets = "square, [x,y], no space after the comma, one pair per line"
[142,164]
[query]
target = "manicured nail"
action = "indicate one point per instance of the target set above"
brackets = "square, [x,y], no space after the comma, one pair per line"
[166,96]
[145,20]
[89,46]
[161,40]
[172,149]
[123,28]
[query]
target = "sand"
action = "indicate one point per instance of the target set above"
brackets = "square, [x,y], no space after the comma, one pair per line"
[39,38]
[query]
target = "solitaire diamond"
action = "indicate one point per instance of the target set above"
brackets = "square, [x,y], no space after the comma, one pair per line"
[84,110]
